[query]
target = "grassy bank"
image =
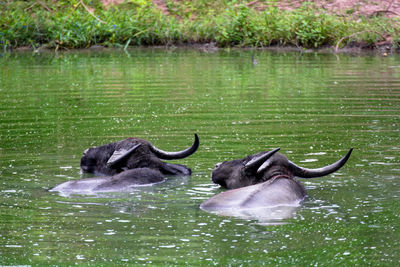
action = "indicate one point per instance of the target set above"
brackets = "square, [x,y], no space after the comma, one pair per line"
[84,23]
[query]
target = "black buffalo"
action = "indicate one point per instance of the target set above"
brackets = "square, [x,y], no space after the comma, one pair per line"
[134,153]
[266,179]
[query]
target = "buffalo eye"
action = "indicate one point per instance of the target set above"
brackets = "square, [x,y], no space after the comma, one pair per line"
[88,162]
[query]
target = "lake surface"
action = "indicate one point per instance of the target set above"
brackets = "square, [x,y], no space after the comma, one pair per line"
[314,106]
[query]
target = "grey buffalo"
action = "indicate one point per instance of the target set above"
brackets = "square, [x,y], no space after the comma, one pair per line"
[134,153]
[263,180]
[119,182]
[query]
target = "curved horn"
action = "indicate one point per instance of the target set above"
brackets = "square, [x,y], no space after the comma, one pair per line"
[256,162]
[176,155]
[310,173]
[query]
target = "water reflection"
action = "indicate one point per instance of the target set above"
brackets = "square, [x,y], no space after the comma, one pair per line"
[263,215]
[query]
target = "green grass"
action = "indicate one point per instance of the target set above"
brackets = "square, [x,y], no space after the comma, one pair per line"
[71,24]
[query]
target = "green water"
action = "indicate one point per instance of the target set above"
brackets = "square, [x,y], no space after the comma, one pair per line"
[314,106]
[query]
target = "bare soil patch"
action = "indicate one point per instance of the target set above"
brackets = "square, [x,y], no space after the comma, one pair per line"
[386,8]
[111,2]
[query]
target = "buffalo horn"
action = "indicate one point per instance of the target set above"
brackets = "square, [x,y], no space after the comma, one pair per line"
[120,155]
[310,173]
[176,155]
[257,161]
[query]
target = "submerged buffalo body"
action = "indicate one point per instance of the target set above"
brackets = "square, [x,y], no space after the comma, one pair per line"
[266,179]
[119,182]
[134,153]
[127,163]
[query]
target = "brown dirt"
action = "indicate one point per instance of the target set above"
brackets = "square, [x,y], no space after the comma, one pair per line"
[387,8]
[111,2]
[161,5]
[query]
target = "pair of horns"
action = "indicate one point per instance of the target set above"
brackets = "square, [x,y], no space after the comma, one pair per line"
[122,154]
[260,163]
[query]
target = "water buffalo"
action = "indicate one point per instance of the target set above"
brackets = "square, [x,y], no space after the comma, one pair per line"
[134,153]
[259,181]
[119,182]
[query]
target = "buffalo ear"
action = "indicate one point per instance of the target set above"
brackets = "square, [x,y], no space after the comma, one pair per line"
[258,161]
[120,155]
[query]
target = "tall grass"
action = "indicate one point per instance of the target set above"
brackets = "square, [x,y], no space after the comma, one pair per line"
[83,23]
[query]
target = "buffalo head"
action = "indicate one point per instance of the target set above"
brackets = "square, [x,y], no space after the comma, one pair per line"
[134,153]
[264,166]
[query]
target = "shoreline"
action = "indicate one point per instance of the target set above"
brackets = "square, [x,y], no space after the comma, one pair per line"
[383,50]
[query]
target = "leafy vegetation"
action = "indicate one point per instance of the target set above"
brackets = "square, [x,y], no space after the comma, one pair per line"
[84,23]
